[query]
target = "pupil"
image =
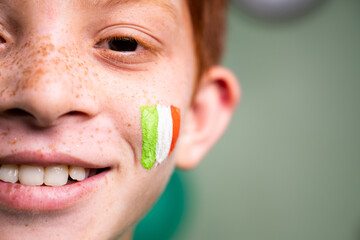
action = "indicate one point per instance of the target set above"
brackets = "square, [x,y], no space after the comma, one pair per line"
[2,40]
[123,44]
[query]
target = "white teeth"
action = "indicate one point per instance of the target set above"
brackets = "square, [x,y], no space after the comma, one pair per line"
[37,175]
[56,175]
[31,175]
[9,173]
[77,173]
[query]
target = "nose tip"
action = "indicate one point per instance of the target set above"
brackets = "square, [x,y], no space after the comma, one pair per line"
[46,99]
[46,109]
[47,87]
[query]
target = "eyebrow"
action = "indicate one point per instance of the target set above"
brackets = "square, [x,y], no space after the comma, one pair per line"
[165,4]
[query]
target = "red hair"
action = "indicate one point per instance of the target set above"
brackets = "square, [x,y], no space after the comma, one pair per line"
[209,25]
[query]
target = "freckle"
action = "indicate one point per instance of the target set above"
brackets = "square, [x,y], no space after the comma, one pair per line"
[12,142]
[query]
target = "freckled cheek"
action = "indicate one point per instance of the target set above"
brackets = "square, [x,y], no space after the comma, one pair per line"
[122,93]
[144,88]
[120,104]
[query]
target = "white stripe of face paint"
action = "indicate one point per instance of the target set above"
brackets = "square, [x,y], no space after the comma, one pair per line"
[165,129]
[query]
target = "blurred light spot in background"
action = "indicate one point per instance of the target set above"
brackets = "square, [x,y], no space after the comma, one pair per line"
[271,10]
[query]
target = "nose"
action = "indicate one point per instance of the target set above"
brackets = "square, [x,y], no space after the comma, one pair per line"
[44,91]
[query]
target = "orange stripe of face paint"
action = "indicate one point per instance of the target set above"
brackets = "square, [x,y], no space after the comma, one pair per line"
[175,114]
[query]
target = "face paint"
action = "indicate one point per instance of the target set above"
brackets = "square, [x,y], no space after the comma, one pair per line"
[160,128]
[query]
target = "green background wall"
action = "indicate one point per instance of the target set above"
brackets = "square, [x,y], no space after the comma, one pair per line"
[289,166]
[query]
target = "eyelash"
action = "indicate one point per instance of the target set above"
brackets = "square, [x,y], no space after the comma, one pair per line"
[144,52]
[121,38]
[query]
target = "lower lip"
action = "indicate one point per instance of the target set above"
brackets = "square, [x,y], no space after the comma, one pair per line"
[46,198]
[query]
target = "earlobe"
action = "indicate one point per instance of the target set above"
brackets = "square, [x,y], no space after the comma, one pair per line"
[209,115]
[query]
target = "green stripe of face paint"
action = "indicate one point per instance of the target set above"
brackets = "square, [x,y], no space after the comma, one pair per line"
[149,125]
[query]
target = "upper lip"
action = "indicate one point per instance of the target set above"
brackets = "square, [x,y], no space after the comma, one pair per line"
[46,159]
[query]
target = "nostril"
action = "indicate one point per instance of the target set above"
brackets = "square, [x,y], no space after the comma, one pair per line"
[74,113]
[17,112]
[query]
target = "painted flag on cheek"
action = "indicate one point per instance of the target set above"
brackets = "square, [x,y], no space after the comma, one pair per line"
[160,129]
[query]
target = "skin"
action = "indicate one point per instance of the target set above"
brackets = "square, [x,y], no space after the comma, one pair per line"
[62,90]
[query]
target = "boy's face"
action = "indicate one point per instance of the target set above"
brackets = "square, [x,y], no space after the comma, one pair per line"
[73,76]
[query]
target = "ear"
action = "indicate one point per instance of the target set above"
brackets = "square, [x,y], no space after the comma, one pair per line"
[208,116]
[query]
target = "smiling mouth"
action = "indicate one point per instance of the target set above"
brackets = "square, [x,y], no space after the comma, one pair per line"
[49,181]
[57,175]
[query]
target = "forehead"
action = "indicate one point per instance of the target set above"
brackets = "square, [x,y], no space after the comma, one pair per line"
[174,9]
[166,4]
[170,6]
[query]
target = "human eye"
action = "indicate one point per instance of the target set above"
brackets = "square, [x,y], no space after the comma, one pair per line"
[127,47]
[121,44]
